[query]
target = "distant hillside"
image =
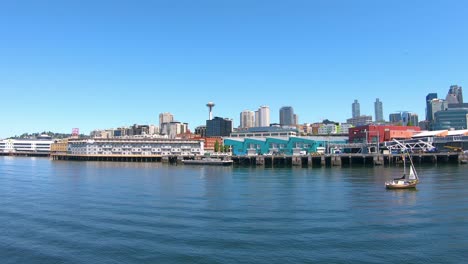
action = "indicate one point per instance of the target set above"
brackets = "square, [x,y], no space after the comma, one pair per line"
[49,133]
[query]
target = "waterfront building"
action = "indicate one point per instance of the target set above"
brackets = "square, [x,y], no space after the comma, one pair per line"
[452,118]
[210,143]
[359,120]
[378,109]
[380,133]
[286,116]
[165,118]
[59,147]
[260,132]
[262,116]
[135,147]
[34,146]
[247,119]
[356,108]
[218,127]
[280,145]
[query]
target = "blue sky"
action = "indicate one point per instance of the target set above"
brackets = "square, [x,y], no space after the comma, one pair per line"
[103,64]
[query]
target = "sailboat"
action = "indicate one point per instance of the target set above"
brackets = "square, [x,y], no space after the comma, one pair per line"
[408,180]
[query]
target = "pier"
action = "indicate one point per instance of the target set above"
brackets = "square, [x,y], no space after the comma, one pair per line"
[346,160]
[283,161]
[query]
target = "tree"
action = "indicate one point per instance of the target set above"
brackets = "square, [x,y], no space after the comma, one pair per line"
[216,146]
[221,148]
[226,148]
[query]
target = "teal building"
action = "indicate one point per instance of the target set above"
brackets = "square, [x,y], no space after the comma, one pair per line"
[280,145]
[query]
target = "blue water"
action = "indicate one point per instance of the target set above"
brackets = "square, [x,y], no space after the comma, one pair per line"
[91,212]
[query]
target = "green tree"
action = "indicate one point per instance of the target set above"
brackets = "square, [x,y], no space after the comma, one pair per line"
[226,148]
[216,146]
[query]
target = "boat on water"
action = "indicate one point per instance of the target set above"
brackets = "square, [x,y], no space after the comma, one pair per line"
[409,179]
[208,161]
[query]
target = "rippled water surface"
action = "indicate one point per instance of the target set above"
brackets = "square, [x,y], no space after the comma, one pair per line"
[91,212]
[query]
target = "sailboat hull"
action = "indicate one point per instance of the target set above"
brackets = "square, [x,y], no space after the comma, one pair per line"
[401,185]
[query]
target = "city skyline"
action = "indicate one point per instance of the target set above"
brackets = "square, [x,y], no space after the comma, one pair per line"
[129,62]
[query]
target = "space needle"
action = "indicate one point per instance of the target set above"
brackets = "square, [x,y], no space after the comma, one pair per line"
[210,106]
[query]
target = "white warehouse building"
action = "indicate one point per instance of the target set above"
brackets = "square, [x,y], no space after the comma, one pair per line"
[32,146]
[136,147]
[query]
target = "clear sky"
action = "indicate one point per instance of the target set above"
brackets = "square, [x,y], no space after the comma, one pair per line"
[108,63]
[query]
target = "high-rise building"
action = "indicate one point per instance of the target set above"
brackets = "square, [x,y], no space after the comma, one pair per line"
[395,118]
[356,109]
[404,118]
[286,116]
[262,116]
[378,111]
[436,105]
[218,127]
[429,113]
[455,95]
[172,129]
[247,119]
[257,118]
[165,118]
[296,120]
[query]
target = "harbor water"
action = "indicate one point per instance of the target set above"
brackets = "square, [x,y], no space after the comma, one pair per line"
[104,212]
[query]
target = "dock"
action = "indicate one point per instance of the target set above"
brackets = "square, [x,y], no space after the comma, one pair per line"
[269,161]
[346,160]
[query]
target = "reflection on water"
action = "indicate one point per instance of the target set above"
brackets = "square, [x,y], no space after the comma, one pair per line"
[88,212]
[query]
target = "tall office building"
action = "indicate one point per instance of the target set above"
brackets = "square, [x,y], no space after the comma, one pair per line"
[378,108]
[247,119]
[218,127]
[356,109]
[404,118]
[165,118]
[296,119]
[429,112]
[257,118]
[435,105]
[286,116]
[455,95]
[262,116]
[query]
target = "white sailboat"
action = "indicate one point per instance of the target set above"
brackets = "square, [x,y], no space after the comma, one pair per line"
[407,181]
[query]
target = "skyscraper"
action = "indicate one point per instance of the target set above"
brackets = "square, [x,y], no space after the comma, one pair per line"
[247,119]
[165,118]
[429,113]
[455,95]
[263,116]
[218,127]
[286,116]
[378,111]
[356,109]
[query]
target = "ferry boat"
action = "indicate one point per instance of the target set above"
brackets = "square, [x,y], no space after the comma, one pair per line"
[208,161]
